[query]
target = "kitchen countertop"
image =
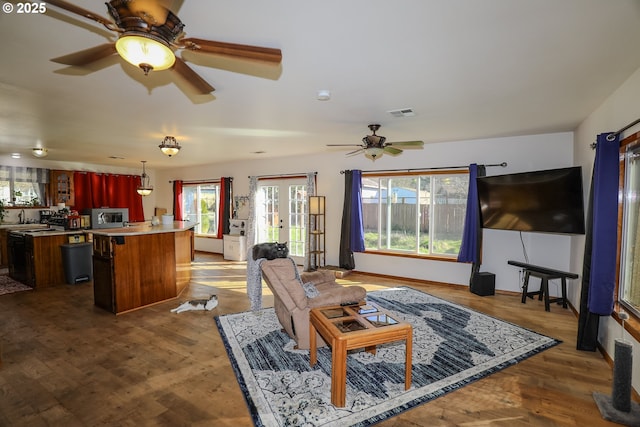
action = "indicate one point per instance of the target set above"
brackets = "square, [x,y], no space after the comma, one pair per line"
[38,230]
[43,231]
[17,225]
[145,228]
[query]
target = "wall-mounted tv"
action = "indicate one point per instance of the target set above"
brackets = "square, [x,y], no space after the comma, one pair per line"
[548,201]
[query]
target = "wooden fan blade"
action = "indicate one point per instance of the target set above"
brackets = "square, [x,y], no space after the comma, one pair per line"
[197,82]
[407,144]
[154,12]
[344,145]
[265,54]
[82,12]
[87,56]
[392,151]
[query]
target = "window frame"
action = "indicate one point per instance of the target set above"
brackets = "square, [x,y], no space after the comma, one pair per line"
[13,180]
[283,183]
[632,324]
[415,253]
[185,215]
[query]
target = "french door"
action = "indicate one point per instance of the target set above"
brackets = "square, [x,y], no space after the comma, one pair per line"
[281,207]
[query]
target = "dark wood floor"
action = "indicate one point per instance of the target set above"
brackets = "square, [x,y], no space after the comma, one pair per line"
[68,363]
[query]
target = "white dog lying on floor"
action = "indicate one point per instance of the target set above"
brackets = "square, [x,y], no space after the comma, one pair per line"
[197,304]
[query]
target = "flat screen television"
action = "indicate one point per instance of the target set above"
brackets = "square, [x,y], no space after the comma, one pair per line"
[548,201]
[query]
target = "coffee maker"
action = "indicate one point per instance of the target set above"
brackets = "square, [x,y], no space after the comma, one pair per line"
[45,216]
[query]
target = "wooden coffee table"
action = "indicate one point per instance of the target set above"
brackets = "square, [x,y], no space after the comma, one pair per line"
[350,327]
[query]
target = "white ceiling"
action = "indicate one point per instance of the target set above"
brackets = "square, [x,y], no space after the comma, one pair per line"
[468,68]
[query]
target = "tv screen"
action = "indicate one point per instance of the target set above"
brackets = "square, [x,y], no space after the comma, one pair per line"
[547,201]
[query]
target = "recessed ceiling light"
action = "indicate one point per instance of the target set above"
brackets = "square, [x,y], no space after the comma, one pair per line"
[323,95]
[15,155]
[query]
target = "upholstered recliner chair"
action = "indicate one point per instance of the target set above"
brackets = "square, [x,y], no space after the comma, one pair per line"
[295,294]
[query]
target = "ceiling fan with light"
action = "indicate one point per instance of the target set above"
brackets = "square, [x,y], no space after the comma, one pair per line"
[374,146]
[149,34]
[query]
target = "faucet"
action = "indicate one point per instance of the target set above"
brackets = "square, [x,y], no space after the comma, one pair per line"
[21,217]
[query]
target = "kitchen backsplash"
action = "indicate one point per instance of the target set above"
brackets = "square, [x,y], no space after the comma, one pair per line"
[12,216]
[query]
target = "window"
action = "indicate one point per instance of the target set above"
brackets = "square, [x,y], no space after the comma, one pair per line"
[629,286]
[421,214]
[201,204]
[22,186]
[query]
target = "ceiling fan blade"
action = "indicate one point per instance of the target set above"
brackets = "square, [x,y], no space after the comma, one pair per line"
[265,54]
[344,145]
[352,153]
[154,12]
[407,144]
[87,56]
[392,151]
[82,12]
[192,77]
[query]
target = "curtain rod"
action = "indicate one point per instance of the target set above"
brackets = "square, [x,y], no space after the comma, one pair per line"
[193,181]
[503,164]
[283,175]
[612,135]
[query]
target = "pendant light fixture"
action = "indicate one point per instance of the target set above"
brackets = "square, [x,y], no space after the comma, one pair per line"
[170,146]
[145,188]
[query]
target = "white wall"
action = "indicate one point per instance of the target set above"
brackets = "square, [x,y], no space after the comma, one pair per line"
[617,111]
[523,153]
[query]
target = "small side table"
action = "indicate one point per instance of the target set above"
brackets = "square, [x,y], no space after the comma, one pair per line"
[351,327]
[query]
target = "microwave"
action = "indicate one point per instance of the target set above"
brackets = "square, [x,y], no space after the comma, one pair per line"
[109,217]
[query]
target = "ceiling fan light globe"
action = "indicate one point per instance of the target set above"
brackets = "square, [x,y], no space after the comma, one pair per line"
[373,152]
[145,52]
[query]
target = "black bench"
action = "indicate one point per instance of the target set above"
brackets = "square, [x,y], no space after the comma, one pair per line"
[545,274]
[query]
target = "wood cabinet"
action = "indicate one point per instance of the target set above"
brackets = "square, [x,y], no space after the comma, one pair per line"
[137,270]
[61,187]
[36,261]
[4,251]
[103,282]
[4,234]
[44,266]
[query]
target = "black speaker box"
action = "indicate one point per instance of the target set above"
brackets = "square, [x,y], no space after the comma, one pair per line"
[483,284]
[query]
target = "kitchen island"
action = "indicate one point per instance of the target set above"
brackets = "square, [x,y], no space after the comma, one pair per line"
[138,266]
[5,229]
[34,255]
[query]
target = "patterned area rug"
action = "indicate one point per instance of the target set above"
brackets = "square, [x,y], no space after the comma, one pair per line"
[9,286]
[452,346]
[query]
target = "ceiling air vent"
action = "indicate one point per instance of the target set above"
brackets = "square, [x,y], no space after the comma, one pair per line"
[402,112]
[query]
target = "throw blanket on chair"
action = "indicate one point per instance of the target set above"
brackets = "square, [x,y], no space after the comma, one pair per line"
[254,280]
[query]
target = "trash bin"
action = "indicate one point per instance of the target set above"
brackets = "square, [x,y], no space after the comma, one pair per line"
[77,262]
